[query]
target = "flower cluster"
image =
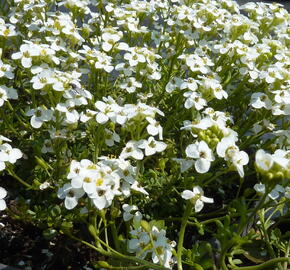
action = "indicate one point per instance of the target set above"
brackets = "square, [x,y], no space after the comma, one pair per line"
[155,243]
[101,182]
[8,154]
[214,135]
[275,166]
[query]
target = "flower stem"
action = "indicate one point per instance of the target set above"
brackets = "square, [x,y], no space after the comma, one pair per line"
[115,254]
[264,265]
[286,255]
[185,217]
[14,175]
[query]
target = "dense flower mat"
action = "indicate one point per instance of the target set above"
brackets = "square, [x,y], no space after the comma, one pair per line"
[161,126]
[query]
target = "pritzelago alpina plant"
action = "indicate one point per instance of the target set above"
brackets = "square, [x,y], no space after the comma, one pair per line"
[162,127]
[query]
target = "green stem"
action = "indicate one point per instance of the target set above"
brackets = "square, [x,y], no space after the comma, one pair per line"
[115,235]
[264,265]
[267,240]
[261,202]
[286,255]
[14,175]
[185,217]
[115,254]
[125,267]
[231,243]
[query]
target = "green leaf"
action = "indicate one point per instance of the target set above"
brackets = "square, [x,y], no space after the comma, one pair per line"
[49,233]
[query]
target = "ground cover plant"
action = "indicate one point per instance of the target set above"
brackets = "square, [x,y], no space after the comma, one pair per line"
[155,133]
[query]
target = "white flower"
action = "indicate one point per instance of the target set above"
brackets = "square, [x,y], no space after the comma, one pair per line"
[110,37]
[280,157]
[225,144]
[134,57]
[203,154]
[282,96]
[136,245]
[102,198]
[27,51]
[173,84]
[131,211]
[71,115]
[3,194]
[45,77]
[44,185]
[273,194]
[9,154]
[39,116]
[154,128]
[6,70]
[130,85]
[227,149]
[7,93]
[260,188]
[264,161]
[86,116]
[239,159]
[131,150]
[71,195]
[194,99]
[162,248]
[111,137]
[281,109]
[196,197]
[190,84]
[151,146]
[106,111]
[103,61]
[136,187]
[260,100]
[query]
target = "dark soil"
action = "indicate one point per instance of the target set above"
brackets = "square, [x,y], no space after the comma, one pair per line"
[24,247]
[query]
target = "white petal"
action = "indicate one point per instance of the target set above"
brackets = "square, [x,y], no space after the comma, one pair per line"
[160,146]
[70,202]
[2,166]
[3,193]
[198,206]
[15,154]
[100,105]
[149,151]
[152,130]
[202,165]
[133,244]
[260,188]
[107,46]
[102,118]
[37,85]
[127,216]
[191,151]
[274,194]
[206,199]
[187,194]
[3,157]
[58,86]
[2,205]
[16,55]
[137,154]
[26,62]
[35,122]
[77,182]
[89,188]
[100,202]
